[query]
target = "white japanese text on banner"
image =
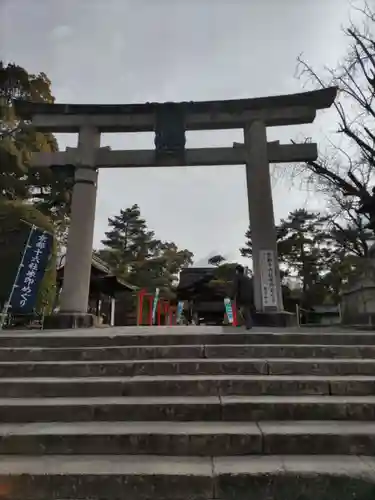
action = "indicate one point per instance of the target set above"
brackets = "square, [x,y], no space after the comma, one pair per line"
[31,273]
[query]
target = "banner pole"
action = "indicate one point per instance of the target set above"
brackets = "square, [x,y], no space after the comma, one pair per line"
[154,305]
[7,304]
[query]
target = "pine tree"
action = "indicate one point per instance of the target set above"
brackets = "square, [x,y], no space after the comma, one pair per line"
[303,248]
[133,252]
[128,241]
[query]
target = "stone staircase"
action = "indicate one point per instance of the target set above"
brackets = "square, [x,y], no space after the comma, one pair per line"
[196,413]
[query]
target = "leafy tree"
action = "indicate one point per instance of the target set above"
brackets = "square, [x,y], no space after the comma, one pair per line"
[48,192]
[247,250]
[16,141]
[350,246]
[303,246]
[216,260]
[352,239]
[17,83]
[340,272]
[222,281]
[161,270]
[175,259]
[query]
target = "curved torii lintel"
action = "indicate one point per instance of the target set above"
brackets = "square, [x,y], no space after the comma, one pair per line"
[274,110]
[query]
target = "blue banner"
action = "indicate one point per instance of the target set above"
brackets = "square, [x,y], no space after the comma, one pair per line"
[31,271]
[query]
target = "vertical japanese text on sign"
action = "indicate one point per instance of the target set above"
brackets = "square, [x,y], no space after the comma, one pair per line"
[268,278]
[31,271]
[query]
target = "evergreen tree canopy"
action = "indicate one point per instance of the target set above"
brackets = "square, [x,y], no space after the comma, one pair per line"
[306,251]
[133,252]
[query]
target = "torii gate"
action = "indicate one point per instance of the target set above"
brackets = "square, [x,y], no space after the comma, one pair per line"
[169,121]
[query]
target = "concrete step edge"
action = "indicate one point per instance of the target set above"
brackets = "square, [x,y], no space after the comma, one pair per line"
[179,331]
[184,346]
[153,465]
[178,478]
[193,360]
[135,379]
[186,400]
[196,428]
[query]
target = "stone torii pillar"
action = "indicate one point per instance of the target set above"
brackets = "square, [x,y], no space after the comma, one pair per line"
[267,285]
[77,270]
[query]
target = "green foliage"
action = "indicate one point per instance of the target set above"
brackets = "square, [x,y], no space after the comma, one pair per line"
[302,245]
[316,254]
[225,272]
[50,193]
[223,278]
[13,236]
[133,253]
[16,83]
[216,260]
[127,241]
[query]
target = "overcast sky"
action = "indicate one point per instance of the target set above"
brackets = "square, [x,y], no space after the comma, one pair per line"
[124,51]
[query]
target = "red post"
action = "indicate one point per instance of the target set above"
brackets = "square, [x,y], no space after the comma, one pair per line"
[159,311]
[150,301]
[166,312]
[172,315]
[141,295]
[234,310]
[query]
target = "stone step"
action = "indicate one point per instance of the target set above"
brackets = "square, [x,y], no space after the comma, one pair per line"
[119,337]
[185,352]
[102,353]
[187,385]
[192,366]
[189,438]
[178,478]
[260,408]
[294,477]
[127,336]
[289,351]
[188,408]
[318,438]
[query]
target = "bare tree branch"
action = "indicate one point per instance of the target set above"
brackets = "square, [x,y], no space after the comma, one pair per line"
[345,176]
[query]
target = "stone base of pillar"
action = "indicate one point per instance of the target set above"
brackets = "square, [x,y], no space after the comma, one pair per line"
[281,319]
[65,321]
